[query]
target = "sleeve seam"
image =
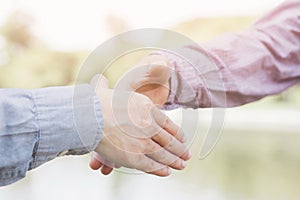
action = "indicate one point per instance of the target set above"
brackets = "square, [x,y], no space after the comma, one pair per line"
[36,146]
[100,125]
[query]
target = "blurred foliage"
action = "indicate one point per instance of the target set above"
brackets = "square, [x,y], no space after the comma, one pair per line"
[25,62]
[16,30]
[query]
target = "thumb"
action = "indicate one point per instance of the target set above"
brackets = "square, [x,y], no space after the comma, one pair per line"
[156,74]
[161,72]
[99,81]
[151,70]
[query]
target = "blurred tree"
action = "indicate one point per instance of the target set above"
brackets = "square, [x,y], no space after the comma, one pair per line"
[16,30]
[30,63]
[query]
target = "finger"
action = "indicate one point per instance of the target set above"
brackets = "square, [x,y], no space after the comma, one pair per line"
[167,124]
[102,160]
[161,172]
[96,161]
[171,144]
[106,170]
[95,164]
[99,81]
[159,154]
[150,166]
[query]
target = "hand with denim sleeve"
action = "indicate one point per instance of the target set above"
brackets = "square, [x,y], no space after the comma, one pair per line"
[39,125]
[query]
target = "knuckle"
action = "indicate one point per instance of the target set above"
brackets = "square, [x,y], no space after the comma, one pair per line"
[128,157]
[138,160]
[143,165]
[169,140]
[154,148]
[179,134]
[147,144]
[167,122]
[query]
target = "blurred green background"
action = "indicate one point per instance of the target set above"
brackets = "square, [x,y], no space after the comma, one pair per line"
[257,156]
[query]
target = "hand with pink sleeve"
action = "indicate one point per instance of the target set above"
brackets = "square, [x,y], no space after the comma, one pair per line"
[260,61]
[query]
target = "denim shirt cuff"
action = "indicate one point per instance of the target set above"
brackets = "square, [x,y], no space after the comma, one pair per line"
[70,122]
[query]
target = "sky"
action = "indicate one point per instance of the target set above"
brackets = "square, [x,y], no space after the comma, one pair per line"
[76,25]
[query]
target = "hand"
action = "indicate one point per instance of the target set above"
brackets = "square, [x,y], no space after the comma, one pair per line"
[149,77]
[138,135]
[154,72]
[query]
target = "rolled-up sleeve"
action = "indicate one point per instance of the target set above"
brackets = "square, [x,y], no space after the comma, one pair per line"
[39,125]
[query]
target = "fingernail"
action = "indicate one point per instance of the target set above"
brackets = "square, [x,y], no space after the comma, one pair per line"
[169,171]
[183,164]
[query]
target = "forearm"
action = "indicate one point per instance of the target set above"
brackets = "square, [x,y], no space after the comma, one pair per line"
[260,61]
[39,125]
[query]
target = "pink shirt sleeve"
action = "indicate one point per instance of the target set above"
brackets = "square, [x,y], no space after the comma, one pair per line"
[260,61]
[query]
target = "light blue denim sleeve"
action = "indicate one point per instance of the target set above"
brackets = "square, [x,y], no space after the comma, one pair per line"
[38,125]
